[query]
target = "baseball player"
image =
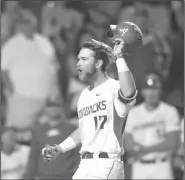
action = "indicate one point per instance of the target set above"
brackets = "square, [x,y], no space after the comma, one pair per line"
[102,108]
[152,133]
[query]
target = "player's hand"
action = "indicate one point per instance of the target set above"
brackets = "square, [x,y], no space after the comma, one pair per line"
[119,48]
[50,153]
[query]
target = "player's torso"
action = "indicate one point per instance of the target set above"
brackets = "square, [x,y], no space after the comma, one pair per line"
[150,127]
[97,120]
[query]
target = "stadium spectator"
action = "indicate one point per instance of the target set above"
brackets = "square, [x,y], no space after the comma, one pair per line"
[14,156]
[56,17]
[28,73]
[152,134]
[11,11]
[103,13]
[54,130]
[174,86]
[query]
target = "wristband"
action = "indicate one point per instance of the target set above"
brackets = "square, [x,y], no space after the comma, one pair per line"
[121,65]
[67,145]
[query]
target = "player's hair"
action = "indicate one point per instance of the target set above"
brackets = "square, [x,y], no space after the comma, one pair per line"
[102,51]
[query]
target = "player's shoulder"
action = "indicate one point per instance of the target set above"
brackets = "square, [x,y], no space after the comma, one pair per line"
[83,93]
[45,41]
[85,90]
[12,42]
[165,107]
[42,38]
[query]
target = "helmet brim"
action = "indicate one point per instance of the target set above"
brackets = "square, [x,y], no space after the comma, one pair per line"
[111,32]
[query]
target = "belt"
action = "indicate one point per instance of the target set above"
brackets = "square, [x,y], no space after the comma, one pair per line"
[89,155]
[152,161]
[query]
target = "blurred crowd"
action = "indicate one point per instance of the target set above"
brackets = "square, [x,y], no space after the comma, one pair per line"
[40,41]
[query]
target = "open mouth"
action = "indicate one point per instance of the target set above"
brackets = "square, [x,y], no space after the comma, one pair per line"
[79,71]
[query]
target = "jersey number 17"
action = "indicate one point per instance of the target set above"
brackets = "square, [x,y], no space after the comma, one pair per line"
[100,121]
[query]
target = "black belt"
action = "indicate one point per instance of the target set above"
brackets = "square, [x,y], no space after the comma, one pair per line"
[152,161]
[89,155]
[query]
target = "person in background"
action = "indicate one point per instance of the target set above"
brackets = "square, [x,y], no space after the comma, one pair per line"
[14,156]
[182,147]
[56,17]
[152,133]
[11,11]
[29,73]
[175,82]
[54,129]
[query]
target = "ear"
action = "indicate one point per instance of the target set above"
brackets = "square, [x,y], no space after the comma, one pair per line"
[99,64]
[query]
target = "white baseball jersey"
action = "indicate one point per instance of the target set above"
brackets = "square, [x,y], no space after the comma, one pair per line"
[150,128]
[100,111]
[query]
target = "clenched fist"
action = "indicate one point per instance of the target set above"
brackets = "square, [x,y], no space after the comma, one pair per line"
[119,48]
[50,153]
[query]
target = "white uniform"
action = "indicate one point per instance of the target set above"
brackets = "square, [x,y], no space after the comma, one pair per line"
[100,114]
[148,129]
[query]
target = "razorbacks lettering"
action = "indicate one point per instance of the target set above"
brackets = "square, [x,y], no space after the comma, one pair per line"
[99,106]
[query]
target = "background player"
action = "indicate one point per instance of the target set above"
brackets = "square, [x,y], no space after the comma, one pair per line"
[152,133]
[99,107]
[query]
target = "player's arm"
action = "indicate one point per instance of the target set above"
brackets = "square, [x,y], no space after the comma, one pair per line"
[7,83]
[128,90]
[6,61]
[72,141]
[171,143]
[136,150]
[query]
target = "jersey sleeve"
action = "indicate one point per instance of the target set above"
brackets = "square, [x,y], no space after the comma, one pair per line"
[173,121]
[122,104]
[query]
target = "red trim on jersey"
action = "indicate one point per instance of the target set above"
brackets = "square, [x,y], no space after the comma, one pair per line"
[124,99]
[117,126]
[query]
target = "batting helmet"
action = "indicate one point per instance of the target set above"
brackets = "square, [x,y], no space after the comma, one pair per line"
[129,32]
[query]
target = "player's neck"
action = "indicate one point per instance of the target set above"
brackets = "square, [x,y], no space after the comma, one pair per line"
[152,107]
[8,151]
[97,80]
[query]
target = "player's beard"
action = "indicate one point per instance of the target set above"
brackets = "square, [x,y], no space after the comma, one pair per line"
[88,75]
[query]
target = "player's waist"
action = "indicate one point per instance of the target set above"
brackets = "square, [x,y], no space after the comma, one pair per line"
[153,161]
[101,155]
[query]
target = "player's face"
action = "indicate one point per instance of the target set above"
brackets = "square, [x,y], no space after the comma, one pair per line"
[26,27]
[86,64]
[151,96]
